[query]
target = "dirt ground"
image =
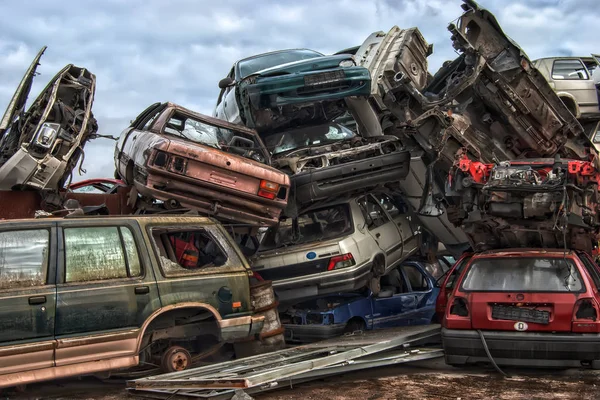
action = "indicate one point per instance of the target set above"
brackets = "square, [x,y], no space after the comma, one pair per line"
[425,380]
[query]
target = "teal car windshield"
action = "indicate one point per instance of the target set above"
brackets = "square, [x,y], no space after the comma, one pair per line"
[293,139]
[264,61]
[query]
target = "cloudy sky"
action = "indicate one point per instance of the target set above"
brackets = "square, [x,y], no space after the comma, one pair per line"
[154,50]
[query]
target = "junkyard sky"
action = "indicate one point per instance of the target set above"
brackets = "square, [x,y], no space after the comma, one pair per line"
[147,51]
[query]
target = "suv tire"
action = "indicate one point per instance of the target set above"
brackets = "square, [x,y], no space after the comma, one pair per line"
[175,358]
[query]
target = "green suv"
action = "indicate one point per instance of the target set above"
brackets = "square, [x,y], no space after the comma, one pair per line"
[84,295]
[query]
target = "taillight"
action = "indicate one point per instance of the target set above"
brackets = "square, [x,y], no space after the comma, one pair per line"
[459,307]
[585,316]
[178,165]
[586,309]
[268,189]
[161,159]
[343,261]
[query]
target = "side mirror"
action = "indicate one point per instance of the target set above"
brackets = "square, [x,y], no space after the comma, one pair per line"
[225,82]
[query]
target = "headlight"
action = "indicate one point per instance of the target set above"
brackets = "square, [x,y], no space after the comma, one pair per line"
[46,135]
[346,63]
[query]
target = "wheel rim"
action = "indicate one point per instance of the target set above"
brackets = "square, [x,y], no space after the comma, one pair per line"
[179,361]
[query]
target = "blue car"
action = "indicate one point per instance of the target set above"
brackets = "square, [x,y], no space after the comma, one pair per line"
[407,297]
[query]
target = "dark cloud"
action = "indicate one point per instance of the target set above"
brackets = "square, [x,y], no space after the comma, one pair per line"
[148,51]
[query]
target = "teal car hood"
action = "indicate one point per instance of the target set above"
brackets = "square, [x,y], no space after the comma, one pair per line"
[311,64]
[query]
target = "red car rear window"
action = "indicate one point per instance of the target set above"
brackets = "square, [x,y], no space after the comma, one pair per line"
[523,274]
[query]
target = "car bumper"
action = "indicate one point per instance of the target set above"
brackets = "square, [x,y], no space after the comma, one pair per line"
[211,199]
[279,91]
[240,327]
[341,280]
[312,333]
[520,348]
[335,180]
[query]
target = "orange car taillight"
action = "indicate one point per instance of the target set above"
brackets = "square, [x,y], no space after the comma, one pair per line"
[343,261]
[459,307]
[268,189]
[161,159]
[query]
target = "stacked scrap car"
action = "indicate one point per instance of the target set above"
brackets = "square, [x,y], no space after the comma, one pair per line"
[188,160]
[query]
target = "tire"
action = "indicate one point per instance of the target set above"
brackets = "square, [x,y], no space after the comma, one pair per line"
[175,358]
[355,325]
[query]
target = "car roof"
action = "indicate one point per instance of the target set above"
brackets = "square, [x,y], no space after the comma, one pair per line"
[275,52]
[527,252]
[143,218]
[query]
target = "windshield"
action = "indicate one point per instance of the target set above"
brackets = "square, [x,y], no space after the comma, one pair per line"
[258,63]
[527,274]
[235,142]
[312,226]
[306,136]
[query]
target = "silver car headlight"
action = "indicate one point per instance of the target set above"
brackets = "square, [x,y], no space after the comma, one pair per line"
[346,63]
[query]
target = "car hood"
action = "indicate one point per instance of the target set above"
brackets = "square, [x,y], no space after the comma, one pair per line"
[311,64]
[17,104]
[319,156]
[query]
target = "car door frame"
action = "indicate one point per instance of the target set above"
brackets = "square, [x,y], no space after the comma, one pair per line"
[418,293]
[395,298]
[32,353]
[105,343]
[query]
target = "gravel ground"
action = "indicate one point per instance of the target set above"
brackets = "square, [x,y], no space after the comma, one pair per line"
[425,380]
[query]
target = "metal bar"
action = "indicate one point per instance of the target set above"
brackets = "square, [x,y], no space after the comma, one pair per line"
[366,344]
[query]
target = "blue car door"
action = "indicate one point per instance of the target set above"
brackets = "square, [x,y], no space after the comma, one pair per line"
[420,309]
[394,302]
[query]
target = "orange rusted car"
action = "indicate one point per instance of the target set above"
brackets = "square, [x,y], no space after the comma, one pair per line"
[184,159]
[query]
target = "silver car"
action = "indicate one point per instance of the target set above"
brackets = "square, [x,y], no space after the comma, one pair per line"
[335,248]
[576,80]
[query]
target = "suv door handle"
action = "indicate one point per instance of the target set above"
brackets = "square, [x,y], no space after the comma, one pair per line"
[142,290]
[37,300]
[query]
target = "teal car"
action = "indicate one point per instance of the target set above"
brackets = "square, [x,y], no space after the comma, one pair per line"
[281,89]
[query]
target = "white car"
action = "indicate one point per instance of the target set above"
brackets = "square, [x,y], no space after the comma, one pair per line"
[339,247]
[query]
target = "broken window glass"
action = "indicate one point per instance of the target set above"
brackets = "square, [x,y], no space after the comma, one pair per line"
[312,226]
[372,212]
[264,61]
[292,139]
[94,254]
[23,258]
[187,252]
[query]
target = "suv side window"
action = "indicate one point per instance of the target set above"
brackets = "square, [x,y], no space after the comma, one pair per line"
[372,212]
[188,252]
[99,253]
[23,258]
[571,69]
[417,280]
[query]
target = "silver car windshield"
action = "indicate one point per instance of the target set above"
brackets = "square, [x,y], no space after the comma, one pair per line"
[293,139]
[258,63]
[523,274]
[312,226]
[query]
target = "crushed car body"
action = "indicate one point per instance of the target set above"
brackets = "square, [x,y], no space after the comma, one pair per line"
[40,146]
[329,161]
[286,88]
[188,160]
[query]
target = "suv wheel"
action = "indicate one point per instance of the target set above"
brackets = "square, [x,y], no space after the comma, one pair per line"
[175,358]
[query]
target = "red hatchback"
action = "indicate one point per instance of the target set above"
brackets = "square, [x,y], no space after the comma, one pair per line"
[527,307]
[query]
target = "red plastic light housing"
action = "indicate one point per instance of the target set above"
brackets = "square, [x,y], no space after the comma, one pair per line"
[459,307]
[585,316]
[268,189]
[343,261]
[267,195]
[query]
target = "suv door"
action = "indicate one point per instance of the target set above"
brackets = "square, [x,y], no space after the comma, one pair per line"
[27,296]
[199,264]
[383,230]
[105,292]
[570,75]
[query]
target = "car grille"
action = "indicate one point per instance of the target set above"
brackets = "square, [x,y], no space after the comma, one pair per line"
[520,314]
[324,78]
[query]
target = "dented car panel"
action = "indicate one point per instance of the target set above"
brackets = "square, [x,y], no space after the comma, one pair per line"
[309,90]
[40,147]
[225,175]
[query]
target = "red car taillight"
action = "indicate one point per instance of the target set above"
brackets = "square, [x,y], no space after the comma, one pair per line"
[459,307]
[268,189]
[160,159]
[585,316]
[343,261]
